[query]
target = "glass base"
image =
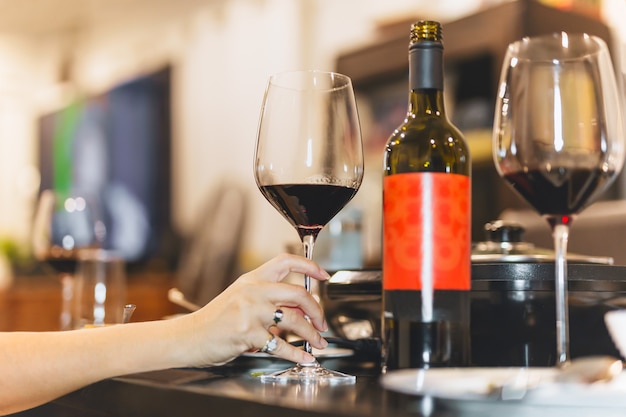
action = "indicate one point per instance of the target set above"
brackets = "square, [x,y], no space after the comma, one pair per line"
[309,373]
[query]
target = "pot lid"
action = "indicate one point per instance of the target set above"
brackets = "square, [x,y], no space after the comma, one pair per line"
[505,276]
[504,243]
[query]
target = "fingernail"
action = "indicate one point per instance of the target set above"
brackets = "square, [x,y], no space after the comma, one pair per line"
[325,274]
[324,342]
[325,326]
[307,357]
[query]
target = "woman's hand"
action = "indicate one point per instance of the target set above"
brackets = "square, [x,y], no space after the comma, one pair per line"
[240,318]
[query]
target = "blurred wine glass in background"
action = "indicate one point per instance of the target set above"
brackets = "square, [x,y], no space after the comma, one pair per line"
[65,225]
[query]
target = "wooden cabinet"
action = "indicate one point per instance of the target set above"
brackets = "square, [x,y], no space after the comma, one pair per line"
[474,50]
[33,303]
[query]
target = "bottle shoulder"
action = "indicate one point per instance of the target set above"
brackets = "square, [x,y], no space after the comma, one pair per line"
[427,144]
[426,128]
[429,134]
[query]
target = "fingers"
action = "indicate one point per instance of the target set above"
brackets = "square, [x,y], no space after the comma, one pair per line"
[277,268]
[294,321]
[276,346]
[295,296]
[245,311]
[287,319]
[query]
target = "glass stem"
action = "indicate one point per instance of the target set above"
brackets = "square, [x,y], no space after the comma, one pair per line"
[67,294]
[308,241]
[560,233]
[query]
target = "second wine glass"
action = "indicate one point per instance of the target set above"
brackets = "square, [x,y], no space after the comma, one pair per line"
[558,137]
[65,225]
[308,164]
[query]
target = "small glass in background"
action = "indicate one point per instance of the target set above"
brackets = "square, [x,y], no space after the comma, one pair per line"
[100,290]
[340,245]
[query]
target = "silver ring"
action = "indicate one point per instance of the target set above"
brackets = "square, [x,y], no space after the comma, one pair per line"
[278,315]
[270,345]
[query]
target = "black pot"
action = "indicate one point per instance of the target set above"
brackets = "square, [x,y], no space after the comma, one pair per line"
[513,312]
[512,309]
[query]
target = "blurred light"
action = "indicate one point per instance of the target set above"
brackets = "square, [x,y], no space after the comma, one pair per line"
[80,204]
[502,90]
[70,205]
[68,242]
[564,40]
[98,315]
[100,293]
[309,153]
[558,117]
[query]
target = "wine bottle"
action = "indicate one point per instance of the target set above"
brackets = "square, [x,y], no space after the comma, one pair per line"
[426,222]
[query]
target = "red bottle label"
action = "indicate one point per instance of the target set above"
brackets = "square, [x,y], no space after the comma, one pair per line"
[426,231]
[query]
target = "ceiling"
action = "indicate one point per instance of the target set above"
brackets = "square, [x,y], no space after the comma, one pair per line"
[41,17]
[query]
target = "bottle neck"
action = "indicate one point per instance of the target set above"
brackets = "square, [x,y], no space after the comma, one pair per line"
[426,102]
[426,78]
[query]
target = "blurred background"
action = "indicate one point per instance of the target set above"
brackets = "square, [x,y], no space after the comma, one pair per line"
[156,104]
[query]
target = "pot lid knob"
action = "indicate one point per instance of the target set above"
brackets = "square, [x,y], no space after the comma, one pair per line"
[504,231]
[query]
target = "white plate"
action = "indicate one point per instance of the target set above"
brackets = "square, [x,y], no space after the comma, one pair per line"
[480,385]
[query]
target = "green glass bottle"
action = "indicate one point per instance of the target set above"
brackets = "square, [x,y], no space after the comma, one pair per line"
[426,222]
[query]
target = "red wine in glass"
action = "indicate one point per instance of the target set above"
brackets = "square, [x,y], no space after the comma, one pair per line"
[562,191]
[308,207]
[63,261]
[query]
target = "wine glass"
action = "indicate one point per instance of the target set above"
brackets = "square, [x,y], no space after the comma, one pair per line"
[558,137]
[308,164]
[66,224]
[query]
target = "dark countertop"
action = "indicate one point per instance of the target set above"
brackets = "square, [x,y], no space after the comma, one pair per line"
[233,390]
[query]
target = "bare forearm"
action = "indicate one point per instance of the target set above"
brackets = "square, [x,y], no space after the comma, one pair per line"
[38,367]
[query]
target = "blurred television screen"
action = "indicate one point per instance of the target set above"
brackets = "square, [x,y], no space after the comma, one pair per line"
[116,146]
